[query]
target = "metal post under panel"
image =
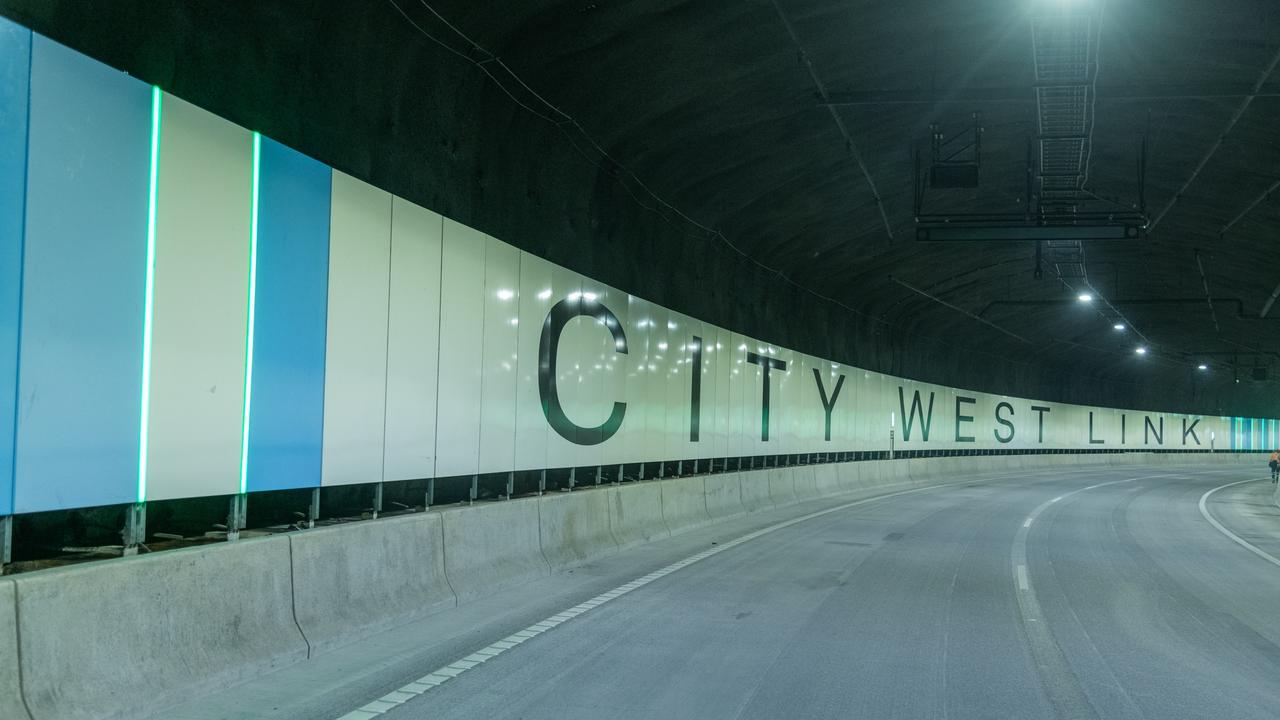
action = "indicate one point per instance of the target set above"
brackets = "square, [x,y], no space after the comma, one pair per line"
[236,515]
[573,477]
[511,484]
[662,469]
[431,492]
[599,472]
[6,539]
[313,510]
[679,468]
[542,482]
[619,480]
[641,474]
[135,528]
[475,489]
[377,500]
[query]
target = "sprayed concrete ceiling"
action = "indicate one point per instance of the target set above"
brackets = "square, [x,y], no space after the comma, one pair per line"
[751,162]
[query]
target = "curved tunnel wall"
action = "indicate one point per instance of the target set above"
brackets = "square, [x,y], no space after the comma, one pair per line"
[197,310]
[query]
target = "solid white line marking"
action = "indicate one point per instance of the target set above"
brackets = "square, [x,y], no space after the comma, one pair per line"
[1204,510]
[1022,578]
[448,672]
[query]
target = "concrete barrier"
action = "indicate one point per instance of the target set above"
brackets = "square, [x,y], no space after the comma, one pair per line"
[806,482]
[755,490]
[826,479]
[684,504]
[575,527]
[635,513]
[116,639]
[354,579]
[492,546]
[782,486]
[724,495]
[10,689]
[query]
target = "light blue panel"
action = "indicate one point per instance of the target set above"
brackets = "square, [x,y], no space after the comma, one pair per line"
[286,420]
[15,73]
[84,279]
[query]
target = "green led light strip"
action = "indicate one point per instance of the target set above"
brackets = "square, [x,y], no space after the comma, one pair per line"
[248,341]
[148,306]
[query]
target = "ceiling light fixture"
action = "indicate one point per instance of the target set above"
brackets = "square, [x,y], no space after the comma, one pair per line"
[1141,351]
[1202,366]
[1118,326]
[1085,297]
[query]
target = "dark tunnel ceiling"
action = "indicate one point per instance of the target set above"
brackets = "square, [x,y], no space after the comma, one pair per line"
[712,105]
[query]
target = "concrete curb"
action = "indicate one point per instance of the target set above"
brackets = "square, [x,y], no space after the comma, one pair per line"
[575,527]
[782,486]
[684,504]
[492,546]
[723,493]
[755,490]
[118,639]
[10,681]
[351,580]
[635,514]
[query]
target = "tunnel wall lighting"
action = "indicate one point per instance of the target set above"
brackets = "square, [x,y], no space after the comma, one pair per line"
[1118,326]
[1202,366]
[1085,297]
[1141,351]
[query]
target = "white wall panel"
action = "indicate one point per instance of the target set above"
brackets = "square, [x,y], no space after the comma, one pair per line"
[561,452]
[656,409]
[501,341]
[536,298]
[413,342]
[355,381]
[635,430]
[201,304]
[462,306]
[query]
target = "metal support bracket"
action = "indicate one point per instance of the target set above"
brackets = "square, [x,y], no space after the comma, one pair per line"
[599,474]
[377,500]
[573,478]
[135,528]
[6,539]
[236,515]
[475,489]
[431,492]
[313,510]
[511,484]
[542,482]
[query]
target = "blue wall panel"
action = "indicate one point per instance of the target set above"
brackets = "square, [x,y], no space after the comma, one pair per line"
[15,74]
[84,281]
[287,404]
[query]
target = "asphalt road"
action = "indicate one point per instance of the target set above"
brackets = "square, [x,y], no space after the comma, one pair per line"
[1085,594]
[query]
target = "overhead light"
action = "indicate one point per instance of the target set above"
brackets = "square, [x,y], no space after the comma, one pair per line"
[1141,351]
[1202,366]
[1085,297]
[1118,326]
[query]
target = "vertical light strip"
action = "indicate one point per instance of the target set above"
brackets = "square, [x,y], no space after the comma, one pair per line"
[148,306]
[248,342]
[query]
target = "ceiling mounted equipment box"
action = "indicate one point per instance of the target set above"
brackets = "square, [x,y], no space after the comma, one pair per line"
[962,232]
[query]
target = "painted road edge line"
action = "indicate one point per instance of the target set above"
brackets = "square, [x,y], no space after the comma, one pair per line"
[1204,510]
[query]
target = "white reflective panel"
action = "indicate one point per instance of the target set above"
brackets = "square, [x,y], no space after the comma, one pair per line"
[739,386]
[501,335]
[657,375]
[413,342]
[715,389]
[635,431]
[785,408]
[609,364]
[201,301]
[462,290]
[566,286]
[355,378]
[674,347]
[536,299]
[688,349]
